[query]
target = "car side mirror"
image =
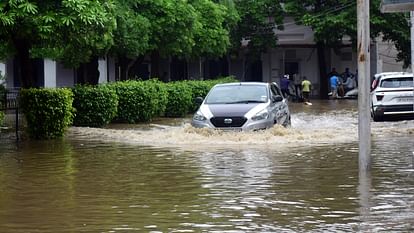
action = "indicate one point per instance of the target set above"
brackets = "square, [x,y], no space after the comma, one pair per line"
[277,98]
[199,100]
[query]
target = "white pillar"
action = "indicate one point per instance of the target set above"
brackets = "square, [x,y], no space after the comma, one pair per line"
[49,73]
[3,73]
[103,71]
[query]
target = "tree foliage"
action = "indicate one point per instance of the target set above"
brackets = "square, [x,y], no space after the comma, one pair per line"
[215,20]
[133,31]
[57,29]
[331,20]
[258,19]
[392,27]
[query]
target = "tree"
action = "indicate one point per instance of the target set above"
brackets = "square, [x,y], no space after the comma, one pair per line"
[212,35]
[132,35]
[173,23]
[331,20]
[392,27]
[70,31]
[258,20]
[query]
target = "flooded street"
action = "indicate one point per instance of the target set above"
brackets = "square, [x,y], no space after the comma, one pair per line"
[169,177]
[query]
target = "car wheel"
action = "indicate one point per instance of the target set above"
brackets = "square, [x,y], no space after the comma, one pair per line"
[375,117]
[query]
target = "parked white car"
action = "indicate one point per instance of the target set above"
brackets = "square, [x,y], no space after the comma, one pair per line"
[242,106]
[392,95]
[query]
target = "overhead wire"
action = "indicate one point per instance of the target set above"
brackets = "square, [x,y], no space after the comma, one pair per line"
[324,13]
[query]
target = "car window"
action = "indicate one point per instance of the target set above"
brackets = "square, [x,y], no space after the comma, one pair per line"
[229,94]
[397,82]
[275,90]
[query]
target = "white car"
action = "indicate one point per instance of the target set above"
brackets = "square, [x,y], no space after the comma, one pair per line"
[242,106]
[392,95]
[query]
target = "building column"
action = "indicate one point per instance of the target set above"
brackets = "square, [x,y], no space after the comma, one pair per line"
[3,73]
[49,73]
[103,70]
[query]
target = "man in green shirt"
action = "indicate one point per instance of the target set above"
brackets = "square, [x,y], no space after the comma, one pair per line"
[306,88]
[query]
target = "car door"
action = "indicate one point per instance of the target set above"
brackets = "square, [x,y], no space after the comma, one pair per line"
[280,108]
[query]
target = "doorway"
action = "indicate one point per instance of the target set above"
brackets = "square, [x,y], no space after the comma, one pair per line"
[291,67]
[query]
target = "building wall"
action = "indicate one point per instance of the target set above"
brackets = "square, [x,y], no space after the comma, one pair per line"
[306,58]
[387,56]
[65,77]
[236,68]
[9,73]
[111,69]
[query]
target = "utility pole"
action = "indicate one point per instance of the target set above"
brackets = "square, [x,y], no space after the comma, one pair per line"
[364,115]
[412,47]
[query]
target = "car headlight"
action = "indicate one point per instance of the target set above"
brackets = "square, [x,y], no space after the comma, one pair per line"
[199,116]
[264,114]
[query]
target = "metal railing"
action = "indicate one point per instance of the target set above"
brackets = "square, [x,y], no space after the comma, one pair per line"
[9,104]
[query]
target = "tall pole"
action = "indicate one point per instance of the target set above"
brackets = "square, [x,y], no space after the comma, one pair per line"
[412,48]
[364,116]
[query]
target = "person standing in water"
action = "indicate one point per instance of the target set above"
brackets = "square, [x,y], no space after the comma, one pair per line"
[306,89]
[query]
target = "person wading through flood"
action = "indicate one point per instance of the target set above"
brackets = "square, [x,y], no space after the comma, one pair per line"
[284,86]
[306,89]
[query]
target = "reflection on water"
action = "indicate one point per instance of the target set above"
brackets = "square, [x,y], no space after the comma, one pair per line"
[158,178]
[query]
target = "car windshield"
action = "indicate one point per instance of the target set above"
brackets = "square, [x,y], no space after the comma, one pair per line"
[232,94]
[397,82]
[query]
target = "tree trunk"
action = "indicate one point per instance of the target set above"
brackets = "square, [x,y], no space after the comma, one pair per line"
[25,69]
[155,64]
[323,79]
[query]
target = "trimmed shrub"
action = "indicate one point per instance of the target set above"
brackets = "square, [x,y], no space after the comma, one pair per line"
[48,111]
[198,89]
[179,99]
[161,95]
[95,106]
[1,118]
[138,100]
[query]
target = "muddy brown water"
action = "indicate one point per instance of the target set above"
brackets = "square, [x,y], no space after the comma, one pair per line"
[168,177]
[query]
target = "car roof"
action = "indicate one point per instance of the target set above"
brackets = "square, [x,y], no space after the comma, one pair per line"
[386,74]
[405,75]
[243,84]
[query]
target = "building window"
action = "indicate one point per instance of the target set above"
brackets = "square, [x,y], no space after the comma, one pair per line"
[347,56]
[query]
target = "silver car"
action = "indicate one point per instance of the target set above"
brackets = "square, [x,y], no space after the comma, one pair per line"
[242,106]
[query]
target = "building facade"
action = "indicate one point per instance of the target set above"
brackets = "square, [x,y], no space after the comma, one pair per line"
[296,53]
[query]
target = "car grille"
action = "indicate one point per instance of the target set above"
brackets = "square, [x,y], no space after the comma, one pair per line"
[219,122]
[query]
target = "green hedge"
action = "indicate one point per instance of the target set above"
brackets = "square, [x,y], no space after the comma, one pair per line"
[95,106]
[1,118]
[48,112]
[180,99]
[139,101]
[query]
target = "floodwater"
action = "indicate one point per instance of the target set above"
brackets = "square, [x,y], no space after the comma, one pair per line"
[168,177]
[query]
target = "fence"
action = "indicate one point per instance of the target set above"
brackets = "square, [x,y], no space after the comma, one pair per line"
[9,104]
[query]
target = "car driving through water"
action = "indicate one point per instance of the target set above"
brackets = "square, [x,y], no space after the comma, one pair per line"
[242,106]
[392,95]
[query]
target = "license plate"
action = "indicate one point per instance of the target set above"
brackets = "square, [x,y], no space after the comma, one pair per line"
[408,99]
